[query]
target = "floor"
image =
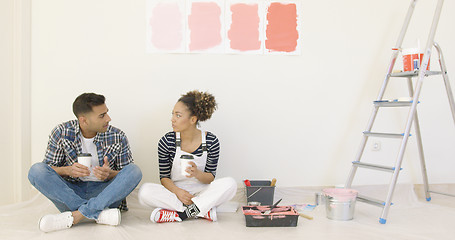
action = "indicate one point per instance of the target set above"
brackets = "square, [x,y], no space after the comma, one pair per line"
[411,217]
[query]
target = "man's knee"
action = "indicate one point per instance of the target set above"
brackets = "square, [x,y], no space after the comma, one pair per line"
[133,172]
[37,170]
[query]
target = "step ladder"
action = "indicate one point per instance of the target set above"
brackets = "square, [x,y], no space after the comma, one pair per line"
[414,93]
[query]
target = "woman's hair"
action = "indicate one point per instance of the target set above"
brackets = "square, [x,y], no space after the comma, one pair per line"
[201,104]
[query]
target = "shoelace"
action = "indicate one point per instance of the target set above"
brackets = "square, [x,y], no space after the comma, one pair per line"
[167,216]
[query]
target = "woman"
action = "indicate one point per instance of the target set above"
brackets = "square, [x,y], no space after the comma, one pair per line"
[191,191]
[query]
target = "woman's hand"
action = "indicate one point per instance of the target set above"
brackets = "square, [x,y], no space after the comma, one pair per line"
[192,170]
[203,177]
[184,196]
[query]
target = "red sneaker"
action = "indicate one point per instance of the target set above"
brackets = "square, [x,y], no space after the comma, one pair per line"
[210,215]
[160,215]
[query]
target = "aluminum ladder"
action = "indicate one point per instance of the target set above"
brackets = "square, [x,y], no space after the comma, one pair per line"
[412,115]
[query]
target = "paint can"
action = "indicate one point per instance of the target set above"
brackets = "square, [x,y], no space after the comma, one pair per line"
[412,59]
[409,55]
[421,60]
[254,204]
[340,203]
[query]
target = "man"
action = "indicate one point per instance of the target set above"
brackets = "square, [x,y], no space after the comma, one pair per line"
[80,192]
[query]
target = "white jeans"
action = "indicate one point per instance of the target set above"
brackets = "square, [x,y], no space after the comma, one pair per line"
[216,193]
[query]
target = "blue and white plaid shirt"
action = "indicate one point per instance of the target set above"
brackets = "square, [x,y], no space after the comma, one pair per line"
[65,144]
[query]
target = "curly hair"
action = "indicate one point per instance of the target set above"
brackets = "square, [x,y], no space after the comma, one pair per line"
[201,104]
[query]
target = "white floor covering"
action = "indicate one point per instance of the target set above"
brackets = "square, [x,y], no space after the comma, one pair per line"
[411,217]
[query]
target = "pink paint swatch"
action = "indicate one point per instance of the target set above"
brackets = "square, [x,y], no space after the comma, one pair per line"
[281,30]
[167,27]
[244,32]
[205,25]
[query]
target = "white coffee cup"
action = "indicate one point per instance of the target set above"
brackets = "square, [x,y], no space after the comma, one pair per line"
[85,159]
[185,163]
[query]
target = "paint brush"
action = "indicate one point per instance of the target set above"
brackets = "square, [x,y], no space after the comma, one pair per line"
[273,206]
[306,216]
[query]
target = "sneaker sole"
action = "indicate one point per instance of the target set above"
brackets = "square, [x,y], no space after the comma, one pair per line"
[214,216]
[119,217]
[152,216]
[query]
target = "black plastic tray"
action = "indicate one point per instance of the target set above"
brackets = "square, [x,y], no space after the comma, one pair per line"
[271,220]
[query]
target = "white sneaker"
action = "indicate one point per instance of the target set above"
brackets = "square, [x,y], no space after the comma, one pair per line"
[110,216]
[54,222]
[210,215]
[160,215]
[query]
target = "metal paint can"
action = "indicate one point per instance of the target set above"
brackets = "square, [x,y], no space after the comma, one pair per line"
[340,203]
[318,199]
[254,204]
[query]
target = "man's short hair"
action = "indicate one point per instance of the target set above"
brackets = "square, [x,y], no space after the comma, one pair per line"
[85,102]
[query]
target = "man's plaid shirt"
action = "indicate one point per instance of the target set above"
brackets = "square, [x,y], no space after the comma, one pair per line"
[65,144]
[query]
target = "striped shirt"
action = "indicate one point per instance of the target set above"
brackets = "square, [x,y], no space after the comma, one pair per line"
[166,153]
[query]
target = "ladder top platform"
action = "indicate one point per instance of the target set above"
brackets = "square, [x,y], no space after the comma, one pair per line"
[414,73]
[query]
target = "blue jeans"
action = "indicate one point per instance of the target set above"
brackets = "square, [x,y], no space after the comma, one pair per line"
[90,198]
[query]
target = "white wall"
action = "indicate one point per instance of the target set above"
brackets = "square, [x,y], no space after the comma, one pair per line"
[296,118]
[6,100]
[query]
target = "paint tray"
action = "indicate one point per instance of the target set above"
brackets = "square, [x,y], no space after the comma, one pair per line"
[281,216]
[260,191]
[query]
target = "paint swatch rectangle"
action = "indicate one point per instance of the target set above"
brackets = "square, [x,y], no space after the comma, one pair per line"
[205,26]
[245,22]
[166,28]
[282,30]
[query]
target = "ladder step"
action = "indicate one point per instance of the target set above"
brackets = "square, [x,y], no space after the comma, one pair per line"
[384,135]
[414,73]
[374,166]
[371,201]
[392,103]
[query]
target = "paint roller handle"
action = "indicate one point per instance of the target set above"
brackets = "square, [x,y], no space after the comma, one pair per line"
[273,182]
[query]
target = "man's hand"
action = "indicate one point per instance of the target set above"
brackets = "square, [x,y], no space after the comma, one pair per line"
[78,170]
[102,173]
[184,196]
